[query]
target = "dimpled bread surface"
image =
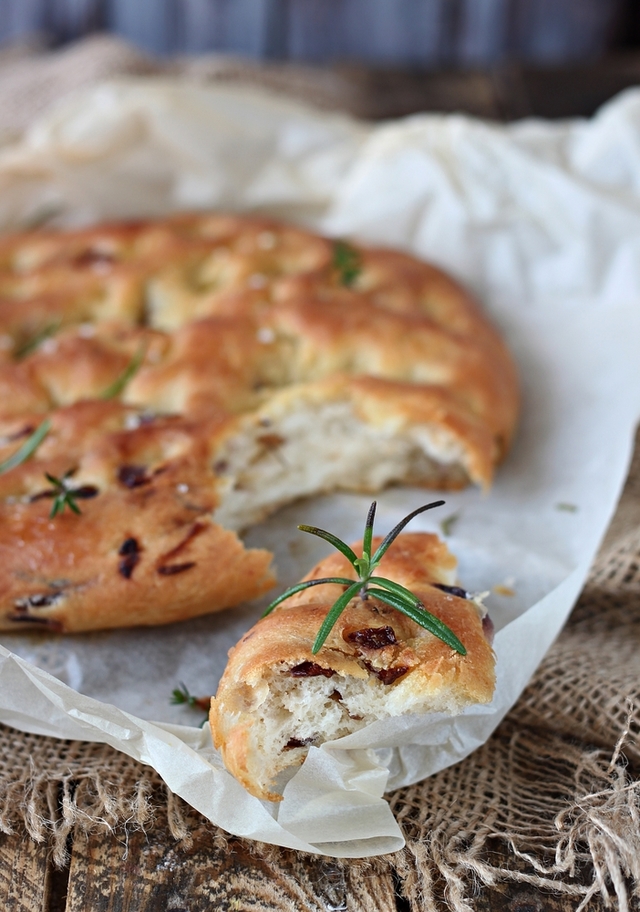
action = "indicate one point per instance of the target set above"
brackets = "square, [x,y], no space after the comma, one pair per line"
[200,371]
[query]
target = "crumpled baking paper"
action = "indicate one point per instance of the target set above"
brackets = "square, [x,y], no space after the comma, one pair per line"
[542,221]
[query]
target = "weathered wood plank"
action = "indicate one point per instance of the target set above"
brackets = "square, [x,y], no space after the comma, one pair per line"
[19,18]
[411,32]
[403,32]
[396,93]
[151,24]
[237,26]
[522,898]
[24,874]
[571,91]
[147,873]
[70,19]
[484,32]
[551,31]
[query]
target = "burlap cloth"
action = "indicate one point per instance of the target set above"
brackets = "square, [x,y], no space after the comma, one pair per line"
[553,791]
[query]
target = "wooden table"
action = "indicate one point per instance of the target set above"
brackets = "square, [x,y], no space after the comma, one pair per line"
[155,874]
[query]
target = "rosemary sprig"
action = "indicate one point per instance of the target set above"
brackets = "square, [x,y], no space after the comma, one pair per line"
[127,374]
[448,523]
[37,339]
[385,590]
[347,262]
[41,216]
[63,495]
[27,449]
[180,696]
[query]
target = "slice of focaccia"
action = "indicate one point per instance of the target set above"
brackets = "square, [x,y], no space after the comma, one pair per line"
[276,698]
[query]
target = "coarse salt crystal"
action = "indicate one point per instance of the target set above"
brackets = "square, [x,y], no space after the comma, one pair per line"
[257,280]
[266,240]
[265,335]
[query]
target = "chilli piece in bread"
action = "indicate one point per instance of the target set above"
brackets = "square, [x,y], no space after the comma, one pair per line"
[276,698]
[198,372]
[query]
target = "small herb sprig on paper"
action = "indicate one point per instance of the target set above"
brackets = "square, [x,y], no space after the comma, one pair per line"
[27,449]
[180,696]
[347,263]
[367,584]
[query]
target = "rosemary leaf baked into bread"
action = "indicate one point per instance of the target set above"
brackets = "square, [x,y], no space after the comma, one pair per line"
[276,697]
[198,372]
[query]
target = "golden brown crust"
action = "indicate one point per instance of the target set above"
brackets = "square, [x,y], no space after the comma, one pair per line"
[416,664]
[233,317]
[144,550]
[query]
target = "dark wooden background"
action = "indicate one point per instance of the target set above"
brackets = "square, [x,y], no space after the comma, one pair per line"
[427,33]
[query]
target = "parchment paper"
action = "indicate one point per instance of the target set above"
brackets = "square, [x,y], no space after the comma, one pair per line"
[543,222]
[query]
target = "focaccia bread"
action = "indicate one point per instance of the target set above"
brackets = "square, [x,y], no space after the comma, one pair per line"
[276,698]
[202,370]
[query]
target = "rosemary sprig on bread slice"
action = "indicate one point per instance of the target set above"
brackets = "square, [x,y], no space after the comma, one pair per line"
[386,590]
[334,654]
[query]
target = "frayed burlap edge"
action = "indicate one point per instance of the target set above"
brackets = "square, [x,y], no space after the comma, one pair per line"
[458,836]
[587,845]
[57,788]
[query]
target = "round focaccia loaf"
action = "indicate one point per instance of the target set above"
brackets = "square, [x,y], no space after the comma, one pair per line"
[199,371]
[276,698]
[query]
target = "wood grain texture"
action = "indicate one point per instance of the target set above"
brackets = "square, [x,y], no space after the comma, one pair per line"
[146,873]
[380,94]
[240,26]
[70,19]
[19,18]
[404,31]
[541,28]
[519,898]
[150,24]
[522,897]
[566,91]
[24,875]
[484,31]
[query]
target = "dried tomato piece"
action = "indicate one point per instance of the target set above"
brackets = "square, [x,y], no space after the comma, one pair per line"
[373,637]
[452,590]
[129,551]
[310,670]
[132,476]
[296,742]
[389,675]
